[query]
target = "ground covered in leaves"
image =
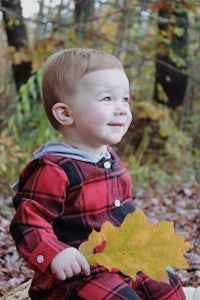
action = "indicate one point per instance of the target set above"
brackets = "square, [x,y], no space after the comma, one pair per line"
[180,204]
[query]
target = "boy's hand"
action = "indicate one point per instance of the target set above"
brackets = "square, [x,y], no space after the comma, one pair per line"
[68,263]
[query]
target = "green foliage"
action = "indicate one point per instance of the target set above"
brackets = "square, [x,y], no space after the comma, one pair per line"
[165,154]
[10,156]
[26,128]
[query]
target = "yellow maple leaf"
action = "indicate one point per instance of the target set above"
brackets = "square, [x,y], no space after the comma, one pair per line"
[137,246]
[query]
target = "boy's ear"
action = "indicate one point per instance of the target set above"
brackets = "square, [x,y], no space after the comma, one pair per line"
[62,113]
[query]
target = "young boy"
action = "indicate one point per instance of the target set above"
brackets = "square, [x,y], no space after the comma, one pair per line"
[72,187]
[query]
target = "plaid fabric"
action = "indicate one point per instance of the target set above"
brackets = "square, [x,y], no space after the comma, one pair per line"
[60,200]
[118,286]
[105,285]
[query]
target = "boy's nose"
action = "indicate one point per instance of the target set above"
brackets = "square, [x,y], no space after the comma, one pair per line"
[121,108]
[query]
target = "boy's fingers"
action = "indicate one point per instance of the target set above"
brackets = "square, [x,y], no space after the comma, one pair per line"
[60,275]
[76,268]
[69,273]
[85,267]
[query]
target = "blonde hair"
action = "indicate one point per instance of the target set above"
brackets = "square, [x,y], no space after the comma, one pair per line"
[63,70]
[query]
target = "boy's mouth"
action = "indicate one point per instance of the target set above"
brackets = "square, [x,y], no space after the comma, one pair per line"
[116,124]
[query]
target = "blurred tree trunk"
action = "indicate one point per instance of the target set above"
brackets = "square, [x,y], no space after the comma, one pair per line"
[171,50]
[83,12]
[41,27]
[17,38]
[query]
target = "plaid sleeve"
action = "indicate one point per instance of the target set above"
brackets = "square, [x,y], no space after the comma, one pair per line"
[39,201]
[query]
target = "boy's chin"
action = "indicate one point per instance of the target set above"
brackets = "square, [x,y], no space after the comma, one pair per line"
[116,141]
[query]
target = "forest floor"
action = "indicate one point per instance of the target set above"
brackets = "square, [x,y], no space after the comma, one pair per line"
[180,204]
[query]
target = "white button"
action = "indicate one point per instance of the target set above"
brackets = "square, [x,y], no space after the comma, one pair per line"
[40,259]
[117,203]
[107,165]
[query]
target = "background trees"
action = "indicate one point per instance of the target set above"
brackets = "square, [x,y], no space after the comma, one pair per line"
[172,49]
[158,44]
[17,40]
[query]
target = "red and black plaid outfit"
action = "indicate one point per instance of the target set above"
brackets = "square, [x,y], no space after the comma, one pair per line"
[60,200]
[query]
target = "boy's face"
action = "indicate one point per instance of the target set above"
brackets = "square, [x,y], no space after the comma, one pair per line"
[100,109]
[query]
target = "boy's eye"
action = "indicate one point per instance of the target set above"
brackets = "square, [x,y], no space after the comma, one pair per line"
[107,99]
[125,99]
